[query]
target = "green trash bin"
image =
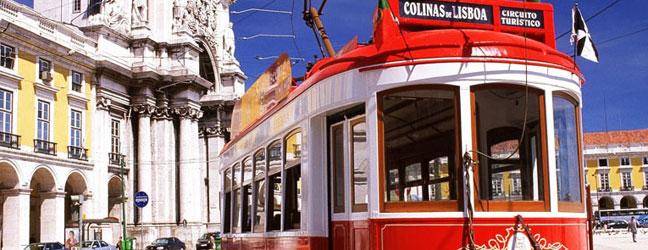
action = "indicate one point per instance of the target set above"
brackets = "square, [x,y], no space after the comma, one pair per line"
[217,244]
[127,244]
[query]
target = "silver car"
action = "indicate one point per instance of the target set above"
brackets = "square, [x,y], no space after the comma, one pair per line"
[96,245]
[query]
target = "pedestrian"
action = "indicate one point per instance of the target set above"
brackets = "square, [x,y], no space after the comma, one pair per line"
[118,245]
[212,243]
[632,228]
[71,241]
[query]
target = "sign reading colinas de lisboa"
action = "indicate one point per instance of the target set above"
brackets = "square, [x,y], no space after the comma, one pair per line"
[447,11]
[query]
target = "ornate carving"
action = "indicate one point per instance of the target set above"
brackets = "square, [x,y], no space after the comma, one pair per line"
[216,130]
[188,113]
[140,13]
[162,113]
[516,239]
[198,17]
[103,103]
[144,109]
[112,15]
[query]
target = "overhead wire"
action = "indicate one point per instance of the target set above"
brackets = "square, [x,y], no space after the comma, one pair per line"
[618,37]
[592,17]
[251,14]
[292,29]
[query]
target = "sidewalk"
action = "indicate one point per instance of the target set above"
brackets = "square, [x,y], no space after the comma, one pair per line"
[621,241]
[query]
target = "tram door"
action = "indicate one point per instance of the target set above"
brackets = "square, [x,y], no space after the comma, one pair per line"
[348,176]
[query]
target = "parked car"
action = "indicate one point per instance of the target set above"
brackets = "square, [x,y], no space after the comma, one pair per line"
[96,245]
[45,246]
[168,243]
[203,242]
[618,224]
[643,223]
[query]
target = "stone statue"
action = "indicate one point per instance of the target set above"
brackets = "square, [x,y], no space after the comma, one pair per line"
[228,42]
[140,12]
[112,15]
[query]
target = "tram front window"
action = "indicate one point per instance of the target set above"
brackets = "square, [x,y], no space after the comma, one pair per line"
[274,187]
[567,153]
[509,128]
[420,143]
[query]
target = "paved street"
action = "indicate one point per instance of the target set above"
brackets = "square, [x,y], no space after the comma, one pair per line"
[621,241]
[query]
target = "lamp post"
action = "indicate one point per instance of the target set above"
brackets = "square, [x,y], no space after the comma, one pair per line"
[123,205]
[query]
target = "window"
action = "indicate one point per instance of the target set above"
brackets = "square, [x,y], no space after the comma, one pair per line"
[75,128]
[274,187]
[247,196]
[419,157]
[568,169]
[517,185]
[625,161]
[236,207]
[338,167]
[114,136]
[77,81]
[7,56]
[43,66]
[605,182]
[6,109]
[645,179]
[76,6]
[292,192]
[227,200]
[645,161]
[260,191]
[626,180]
[515,148]
[603,163]
[94,7]
[360,165]
[43,128]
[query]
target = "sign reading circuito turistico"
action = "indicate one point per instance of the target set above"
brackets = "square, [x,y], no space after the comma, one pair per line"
[446,11]
[521,17]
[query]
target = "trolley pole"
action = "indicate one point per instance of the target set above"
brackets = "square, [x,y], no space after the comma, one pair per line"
[123,206]
[320,27]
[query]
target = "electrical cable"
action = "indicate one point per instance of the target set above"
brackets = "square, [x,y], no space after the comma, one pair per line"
[619,37]
[251,14]
[590,18]
[292,29]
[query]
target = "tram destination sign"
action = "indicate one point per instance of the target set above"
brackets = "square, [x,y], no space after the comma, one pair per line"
[446,11]
[521,17]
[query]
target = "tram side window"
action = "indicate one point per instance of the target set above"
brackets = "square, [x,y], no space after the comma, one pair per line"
[274,187]
[515,170]
[247,196]
[260,191]
[227,188]
[360,164]
[236,207]
[420,143]
[567,160]
[292,192]
[338,168]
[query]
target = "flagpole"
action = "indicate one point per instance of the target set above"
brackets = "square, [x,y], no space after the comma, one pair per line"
[576,37]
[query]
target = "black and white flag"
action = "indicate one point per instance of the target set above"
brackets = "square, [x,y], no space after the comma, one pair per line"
[585,46]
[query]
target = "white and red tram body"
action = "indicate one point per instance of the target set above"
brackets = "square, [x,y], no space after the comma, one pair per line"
[385,145]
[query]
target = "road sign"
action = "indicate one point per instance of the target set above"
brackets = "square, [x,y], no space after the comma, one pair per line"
[141,199]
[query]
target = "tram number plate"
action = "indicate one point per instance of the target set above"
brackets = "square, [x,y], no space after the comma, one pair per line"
[446,11]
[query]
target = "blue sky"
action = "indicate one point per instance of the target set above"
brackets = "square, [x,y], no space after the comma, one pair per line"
[618,80]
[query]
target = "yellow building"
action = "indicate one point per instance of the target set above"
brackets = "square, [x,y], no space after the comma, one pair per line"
[617,168]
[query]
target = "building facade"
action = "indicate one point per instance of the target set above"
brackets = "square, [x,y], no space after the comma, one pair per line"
[86,84]
[617,169]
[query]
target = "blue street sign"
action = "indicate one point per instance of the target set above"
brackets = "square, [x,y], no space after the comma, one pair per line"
[141,199]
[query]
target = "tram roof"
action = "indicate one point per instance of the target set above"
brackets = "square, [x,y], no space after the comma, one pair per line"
[410,43]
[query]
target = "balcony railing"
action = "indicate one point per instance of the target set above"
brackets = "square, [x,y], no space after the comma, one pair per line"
[44,147]
[115,158]
[645,187]
[77,153]
[607,189]
[9,140]
[629,188]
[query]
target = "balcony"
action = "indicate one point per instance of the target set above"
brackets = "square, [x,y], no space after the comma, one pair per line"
[115,158]
[606,189]
[44,147]
[645,187]
[77,153]
[629,188]
[9,140]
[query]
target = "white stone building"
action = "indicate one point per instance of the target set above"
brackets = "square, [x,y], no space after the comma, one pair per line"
[162,82]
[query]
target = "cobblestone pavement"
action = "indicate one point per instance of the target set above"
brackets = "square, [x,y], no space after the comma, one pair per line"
[621,240]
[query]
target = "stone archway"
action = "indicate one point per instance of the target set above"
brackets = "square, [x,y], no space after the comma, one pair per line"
[205,64]
[645,202]
[74,185]
[605,203]
[43,212]
[628,202]
[9,180]
[114,204]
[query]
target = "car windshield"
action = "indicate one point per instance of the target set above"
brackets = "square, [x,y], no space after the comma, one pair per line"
[161,241]
[36,246]
[205,237]
[86,244]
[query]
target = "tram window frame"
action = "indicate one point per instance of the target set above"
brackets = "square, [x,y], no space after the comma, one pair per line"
[259,177]
[273,177]
[227,200]
[489,205]
[292,184]
[565,206]
[246,192]
[357,207]
[338,183]
[236,197]
[422,206]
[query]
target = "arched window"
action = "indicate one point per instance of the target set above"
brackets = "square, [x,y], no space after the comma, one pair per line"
[274,186]
[247,196]
[292,190]
[568,154]
[236,199]
[227,200]
[260,191]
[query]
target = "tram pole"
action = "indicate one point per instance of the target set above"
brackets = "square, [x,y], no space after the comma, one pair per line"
[320,27]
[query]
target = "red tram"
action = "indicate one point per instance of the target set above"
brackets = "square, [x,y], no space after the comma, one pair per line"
[457,127]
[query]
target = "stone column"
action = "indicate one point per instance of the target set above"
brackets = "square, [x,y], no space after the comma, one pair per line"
[161,163]
[144,162]
[15,220]
[190,181]
[52,217]
[170,174]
